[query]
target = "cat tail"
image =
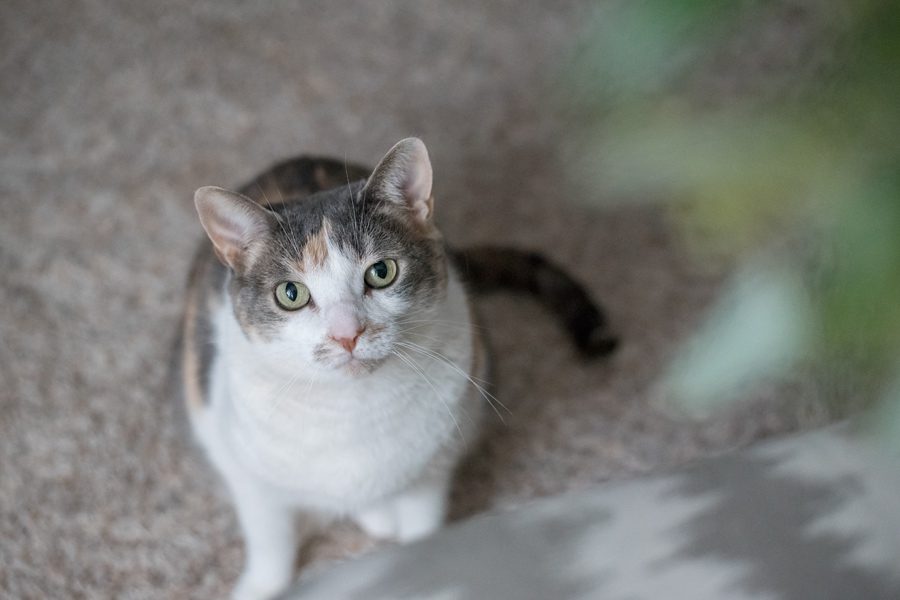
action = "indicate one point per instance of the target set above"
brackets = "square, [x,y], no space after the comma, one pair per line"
[489,268]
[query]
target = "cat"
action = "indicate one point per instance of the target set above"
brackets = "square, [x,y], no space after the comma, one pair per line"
[330,358]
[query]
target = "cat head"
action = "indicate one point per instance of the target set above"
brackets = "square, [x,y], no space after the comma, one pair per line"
[330,282]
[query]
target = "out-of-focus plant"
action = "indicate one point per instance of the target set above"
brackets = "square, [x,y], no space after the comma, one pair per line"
[773,128]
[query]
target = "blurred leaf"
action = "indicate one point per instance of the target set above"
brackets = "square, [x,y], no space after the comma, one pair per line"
[819,162]
[759,328]
[637,48]
[885,421]
[861,302]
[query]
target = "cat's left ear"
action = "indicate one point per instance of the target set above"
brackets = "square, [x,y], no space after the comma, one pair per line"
[403,177]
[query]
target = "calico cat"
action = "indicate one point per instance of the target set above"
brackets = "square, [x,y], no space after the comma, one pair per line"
[329,357]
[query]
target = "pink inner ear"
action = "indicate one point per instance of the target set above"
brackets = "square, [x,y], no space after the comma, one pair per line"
[231,221]
[227,237]
[228,231]
[404,177]
[231,231]
[418,193]
[417,186]
[416,178]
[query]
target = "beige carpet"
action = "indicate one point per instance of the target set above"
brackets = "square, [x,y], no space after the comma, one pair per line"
[113,112]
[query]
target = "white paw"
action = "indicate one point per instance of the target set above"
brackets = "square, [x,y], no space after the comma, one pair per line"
[255,588]
[380,523]
[419,514]
[415,527]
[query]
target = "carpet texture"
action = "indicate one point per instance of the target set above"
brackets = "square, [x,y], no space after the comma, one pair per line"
[114,112]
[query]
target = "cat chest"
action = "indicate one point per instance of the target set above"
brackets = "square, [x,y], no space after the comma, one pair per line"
[340,452]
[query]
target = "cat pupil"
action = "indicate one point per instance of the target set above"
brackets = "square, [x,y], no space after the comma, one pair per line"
[290,290]
[381,269]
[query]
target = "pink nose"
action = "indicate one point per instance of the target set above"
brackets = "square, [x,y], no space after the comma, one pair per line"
[348,343]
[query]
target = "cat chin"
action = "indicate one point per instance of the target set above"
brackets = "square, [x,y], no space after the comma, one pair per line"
[357,367]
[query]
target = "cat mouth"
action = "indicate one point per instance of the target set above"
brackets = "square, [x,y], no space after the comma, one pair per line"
[346,362]
[357,366]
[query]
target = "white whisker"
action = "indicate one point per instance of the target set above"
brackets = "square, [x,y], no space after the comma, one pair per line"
[418,370]
[293,235]
[489,397]
[354,205]
[278,394]
[280,221]
[425,322]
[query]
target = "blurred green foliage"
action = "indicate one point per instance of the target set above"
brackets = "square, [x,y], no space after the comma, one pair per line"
[792,165]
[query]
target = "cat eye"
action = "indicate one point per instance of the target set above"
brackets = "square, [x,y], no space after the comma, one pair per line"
[381,274]
[291,295]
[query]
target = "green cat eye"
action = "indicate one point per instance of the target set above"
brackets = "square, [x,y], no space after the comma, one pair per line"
[291,295]
[382,273]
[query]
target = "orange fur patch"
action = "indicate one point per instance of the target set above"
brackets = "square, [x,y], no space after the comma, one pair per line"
[321,178]
[190,365]
[315,251]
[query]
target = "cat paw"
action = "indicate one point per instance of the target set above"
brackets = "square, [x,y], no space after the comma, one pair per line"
[416,527]
[254,588]
[380,523]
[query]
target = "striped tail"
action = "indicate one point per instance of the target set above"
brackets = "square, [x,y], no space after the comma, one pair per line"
[489,268]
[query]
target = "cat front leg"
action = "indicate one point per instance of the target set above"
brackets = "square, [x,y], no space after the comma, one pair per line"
[379,521]
[421,511]
[411,515]
[270,542]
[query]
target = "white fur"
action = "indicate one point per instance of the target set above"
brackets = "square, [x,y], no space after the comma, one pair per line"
[296,437]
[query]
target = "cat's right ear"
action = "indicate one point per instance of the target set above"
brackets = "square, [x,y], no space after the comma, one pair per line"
[236,225]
